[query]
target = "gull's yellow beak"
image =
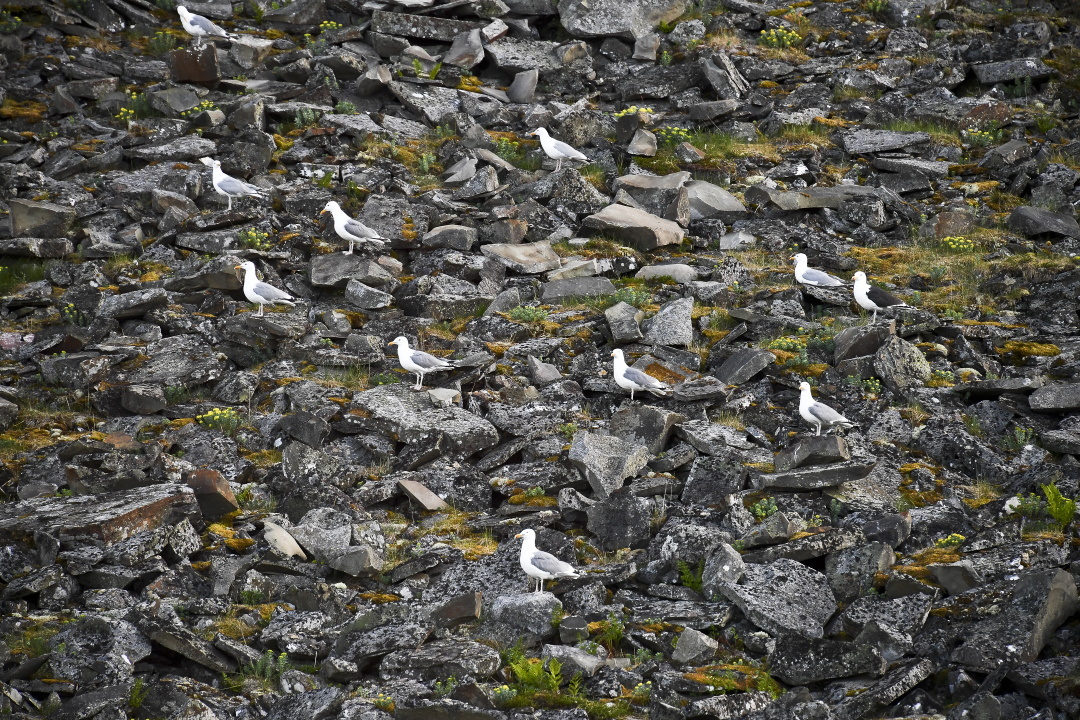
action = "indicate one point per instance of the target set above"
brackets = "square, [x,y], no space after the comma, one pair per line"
[392,342]
[518,535]
[612,353]
[238,267]
[323,211]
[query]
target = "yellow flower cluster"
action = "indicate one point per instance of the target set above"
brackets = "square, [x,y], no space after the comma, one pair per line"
[329,25]
[205,105]
[788,344]
[384,702]
[779,38]
[981,137]
[632,110]
[951,541]
[957,244]
[672,135]
[256,239]
[125,114]
[227,420]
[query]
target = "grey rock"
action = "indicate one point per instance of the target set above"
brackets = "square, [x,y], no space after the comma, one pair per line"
[531,612]
[726,80]
[40,219]
[624,322]
[1011,70]
[523,88]
[812,451]
[441,660]
[712,480]
[900,365]
[1038,603]
[680,273]
[1033,221]
[851,570]
[724,566]
[573,660]
[861,341]
[867,142]
[729,707]
[620,520]
[133,304]
[783,597]
[957,577]
[611,17]
[905,614]
[413,419]
[637,228]
[606,461]
[366,298]
[800,661]
[890,688]
[744,364]
[644,425]
[694,648]
[322,704]
[455,237]
[712,201]
[527,259]
[815,477]
[1052,398]
[467,50]
[577,287]
[672,325]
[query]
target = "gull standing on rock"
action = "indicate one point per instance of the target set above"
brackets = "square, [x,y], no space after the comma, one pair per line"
[539,565]
[199,27]
[873,298]
[631,379]
[810,276]
[418,362]
[819,414]
[348,229]
[229,186]
[262,293]
[556,149]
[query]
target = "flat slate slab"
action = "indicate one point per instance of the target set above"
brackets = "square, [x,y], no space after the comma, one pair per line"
[112,516]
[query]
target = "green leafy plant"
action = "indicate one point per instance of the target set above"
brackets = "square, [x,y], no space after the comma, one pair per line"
[875,6]
[535,491]
[690,576]
[384,702]
[567,430]
[445,687]
[630,296]
[764,508]
[941,378]
[345,107]
[528,314]
[306,117]
[161,43]
[1017,439]
[671,135]
[137,694]
[666,58]
[1061,508]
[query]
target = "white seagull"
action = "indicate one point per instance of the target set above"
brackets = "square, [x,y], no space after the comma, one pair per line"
[556,149]
[199,27]
[810,276]
[348,229]
[262,293]
[418,362]
[631,379]
[540,565]
[873,298]
[229,186]
[819,414]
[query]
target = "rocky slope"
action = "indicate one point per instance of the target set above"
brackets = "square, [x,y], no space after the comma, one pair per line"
[210,514]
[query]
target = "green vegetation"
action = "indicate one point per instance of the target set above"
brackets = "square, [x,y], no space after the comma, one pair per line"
[255,239]
[20,271]
[764,509]
[528,314]
[225,420]
[1017,439]
[779,38]
[1052,512]
[266,671]
[953,540]
[138,693]
[690,576]
[540,684]
[162,43]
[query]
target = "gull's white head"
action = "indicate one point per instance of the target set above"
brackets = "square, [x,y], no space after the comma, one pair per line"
[799,258]
[859,277]
[246,266]
[331,206]
[541,131]
[183,11]
[527,534]
[804,386]
[400,341]
[617,354]
[208,162]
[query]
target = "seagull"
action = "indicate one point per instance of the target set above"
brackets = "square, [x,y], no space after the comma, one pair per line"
[631,379]
[810,276]
[556,149]
[819,414]
[199,27]
[229,186]
[262,293]
[873,298]
[418,362]
[348,229]
[540,565]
